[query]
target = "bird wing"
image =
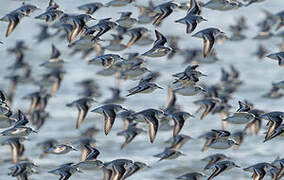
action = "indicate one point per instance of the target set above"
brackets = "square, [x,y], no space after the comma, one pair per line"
[258,173]
[208,42]
[190,26]
[109,120]
[134,38]
[160,39]
[83,110]
[94,153]
[178,124]
[219,169]
[153,124]
[137,89]
[165,13]
[12,25]
[14,152]
[102,31]
[194,8]
[2,96]
[66,175]
[107,174]
[171,100]
[22,119]
[273,125]
[55,52]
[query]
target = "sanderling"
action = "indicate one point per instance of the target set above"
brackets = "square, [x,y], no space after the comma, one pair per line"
[240,118]
[83,105]
[115,43]
[27,9]
[261,52]
[17,148]
[14,19]
[93,153]
[109,111]
[212,159]
[65,171]
[158,49]
[106,60]
[126,20]
[60,149]
[238,137]
[19,129]
[115,98]
[50,15]
[279,166]
[118,3]
[78,23]
[22,169]
[191,176]
[44,34]
[208,104]
[130,133]
[146,14]
[193,17]
[279,84]
[45,145]
[169,154]
[222,5]
[103,26]
[163,11]
[178,141]
[259,170]
[189,90]
[137,166]
[220,167]
[117,168]
[136,34]
[38,118]
[143,87]
[275,119]
[150,116]
[53,62]
[208,35]
[90,8]
[179,118]
[278,57]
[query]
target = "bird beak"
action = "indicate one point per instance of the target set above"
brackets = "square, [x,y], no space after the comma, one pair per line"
[204,91]
[160,87]
[74,149]
[125,109]
[237,166]
[34,131]
[79,170]
[237,144]
[270,56]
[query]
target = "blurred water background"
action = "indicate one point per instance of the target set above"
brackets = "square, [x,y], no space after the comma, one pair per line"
[256,75]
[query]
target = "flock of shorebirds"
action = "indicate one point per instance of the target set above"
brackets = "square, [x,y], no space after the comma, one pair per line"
[87,39]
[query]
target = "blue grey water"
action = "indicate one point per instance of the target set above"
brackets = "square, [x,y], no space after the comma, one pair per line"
[257,76]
